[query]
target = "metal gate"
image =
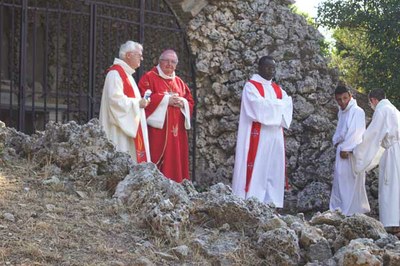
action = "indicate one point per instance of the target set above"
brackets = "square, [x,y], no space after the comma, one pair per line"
[53,54]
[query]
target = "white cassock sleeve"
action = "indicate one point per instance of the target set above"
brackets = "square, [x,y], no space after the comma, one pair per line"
[185,110]
[337,138]
[157,118]
[268,111]
[368,153]
[354,132]
[124,111]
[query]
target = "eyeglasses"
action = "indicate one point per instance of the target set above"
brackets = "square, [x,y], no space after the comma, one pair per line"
[136,54]
[172,62]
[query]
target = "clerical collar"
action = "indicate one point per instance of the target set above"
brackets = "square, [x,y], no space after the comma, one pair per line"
[163,75]
[258,78]
[351,103]
[382,103]
[124,65]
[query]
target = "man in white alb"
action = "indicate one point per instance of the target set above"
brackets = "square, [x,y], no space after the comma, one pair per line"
[348,190]
[260,153]
[381,145]
[122,107]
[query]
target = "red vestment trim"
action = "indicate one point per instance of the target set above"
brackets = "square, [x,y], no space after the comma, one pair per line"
[255,135]
[128,91]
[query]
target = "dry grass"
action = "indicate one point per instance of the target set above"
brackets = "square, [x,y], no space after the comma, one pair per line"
[55,226]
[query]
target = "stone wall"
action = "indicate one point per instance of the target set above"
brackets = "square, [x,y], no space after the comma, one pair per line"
[227,38]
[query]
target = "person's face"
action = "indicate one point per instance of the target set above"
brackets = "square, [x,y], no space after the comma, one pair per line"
[133,58]
[343,99]
[373,102]
[267,70]
[168,63]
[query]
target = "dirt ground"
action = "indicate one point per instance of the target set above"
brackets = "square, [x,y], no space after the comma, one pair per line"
[68,224]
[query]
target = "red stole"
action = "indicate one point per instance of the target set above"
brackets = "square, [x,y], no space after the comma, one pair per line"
[255,134]
[128,91]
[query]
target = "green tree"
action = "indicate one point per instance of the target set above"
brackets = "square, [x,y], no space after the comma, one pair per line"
[367,34]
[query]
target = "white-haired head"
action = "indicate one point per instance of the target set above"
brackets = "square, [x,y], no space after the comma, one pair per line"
[129,46]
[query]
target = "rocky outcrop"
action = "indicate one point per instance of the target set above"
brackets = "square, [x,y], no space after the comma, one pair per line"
[161,203]
[217,226]
[84,152]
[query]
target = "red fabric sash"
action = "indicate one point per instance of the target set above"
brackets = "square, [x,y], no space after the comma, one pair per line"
[255,134]
[128,91]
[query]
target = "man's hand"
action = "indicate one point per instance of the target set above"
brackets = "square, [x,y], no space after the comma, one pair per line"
[175,101]
[344,154]
[143,103]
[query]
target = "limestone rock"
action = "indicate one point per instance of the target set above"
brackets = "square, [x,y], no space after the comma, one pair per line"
[358,226]
[279,247]
[161,202]
[219,206]
[360,252]
[314,197]
[334,218]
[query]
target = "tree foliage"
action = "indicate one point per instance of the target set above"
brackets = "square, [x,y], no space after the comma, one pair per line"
[367,34]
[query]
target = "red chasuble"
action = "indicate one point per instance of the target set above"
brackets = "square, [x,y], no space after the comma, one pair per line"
[255,134]
[128,91]
[169,146]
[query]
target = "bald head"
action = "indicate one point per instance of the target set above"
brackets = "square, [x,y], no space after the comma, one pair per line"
[168,61]
[168,53]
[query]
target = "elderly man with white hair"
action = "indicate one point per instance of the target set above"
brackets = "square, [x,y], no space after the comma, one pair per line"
[122,107]
[168,117]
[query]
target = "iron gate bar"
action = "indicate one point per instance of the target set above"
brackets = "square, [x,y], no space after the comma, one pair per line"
[10,5]
[159,13]
[92,59]
[69,65]
[22,65]
[46,60]
[163,28]
[1,38]
[57,58]
[109,39]
[12,53]
[118,19]
[194,116]
[105,4]
[139,10]
[80,63]
[101,59]
[55,10]
[141,30]
[33,70]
